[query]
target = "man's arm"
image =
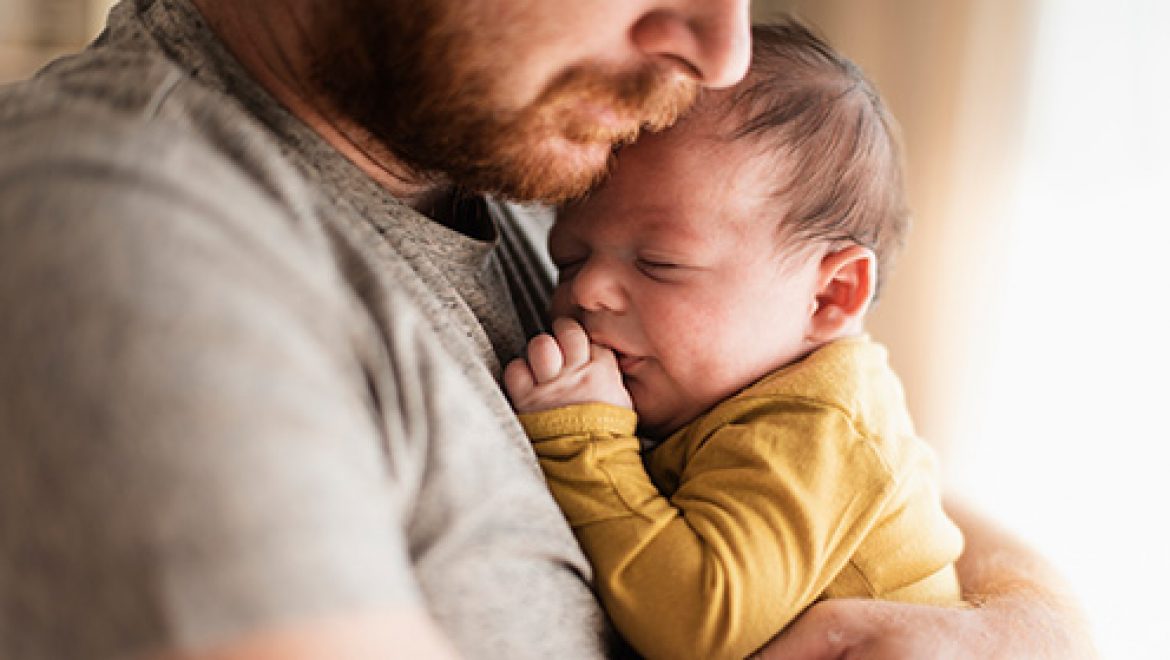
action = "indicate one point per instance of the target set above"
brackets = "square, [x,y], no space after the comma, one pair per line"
[1021,609]
[372,636]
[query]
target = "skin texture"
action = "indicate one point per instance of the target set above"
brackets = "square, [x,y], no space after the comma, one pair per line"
[284,46]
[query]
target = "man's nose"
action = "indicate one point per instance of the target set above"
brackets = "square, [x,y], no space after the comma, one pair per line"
[709,39]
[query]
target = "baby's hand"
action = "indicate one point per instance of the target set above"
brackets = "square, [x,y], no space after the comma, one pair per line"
[565,370]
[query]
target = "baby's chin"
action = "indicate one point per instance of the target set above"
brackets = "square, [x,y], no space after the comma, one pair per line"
[662,402]
[657,423]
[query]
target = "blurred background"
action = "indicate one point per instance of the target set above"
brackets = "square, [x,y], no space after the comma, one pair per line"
[34,31]
[1026,317]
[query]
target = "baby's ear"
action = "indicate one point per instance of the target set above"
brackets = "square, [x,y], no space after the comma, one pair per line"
[845,286]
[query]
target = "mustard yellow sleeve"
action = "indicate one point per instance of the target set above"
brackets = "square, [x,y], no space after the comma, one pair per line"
[579,448]
[764,515]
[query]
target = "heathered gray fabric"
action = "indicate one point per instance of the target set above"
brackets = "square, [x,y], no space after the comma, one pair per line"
[242,386]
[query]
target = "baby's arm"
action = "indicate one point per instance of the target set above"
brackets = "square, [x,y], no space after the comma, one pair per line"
[749,538]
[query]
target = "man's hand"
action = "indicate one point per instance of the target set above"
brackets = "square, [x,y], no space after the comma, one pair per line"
[879,630]
[371,636]
[1021,609]
[563,369]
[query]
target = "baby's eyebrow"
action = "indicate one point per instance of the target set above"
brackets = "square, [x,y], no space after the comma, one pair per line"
[666,223]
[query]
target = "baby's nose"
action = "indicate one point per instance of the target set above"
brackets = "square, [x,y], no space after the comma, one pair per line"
[597,288]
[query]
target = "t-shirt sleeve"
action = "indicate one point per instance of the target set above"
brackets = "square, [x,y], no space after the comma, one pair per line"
[189,448]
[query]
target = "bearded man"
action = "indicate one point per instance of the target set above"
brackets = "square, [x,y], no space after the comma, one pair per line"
[257,287]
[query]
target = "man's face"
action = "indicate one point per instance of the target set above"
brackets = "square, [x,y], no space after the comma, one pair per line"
[676,263]
[523,98]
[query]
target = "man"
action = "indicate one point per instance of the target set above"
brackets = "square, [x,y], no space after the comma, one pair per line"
[253,321]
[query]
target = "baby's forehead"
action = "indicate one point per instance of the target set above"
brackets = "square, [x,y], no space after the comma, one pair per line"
[670,224]
[690,178]
[728,129]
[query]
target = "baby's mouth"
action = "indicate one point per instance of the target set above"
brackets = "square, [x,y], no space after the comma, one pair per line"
[627,363]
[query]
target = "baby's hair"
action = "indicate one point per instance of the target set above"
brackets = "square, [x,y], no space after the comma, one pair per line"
[839,145]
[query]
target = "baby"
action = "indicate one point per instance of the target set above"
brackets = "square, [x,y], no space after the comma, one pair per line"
[712,297]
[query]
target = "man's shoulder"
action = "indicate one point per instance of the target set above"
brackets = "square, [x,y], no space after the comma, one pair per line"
[116,156]
[133,109]
[115,80]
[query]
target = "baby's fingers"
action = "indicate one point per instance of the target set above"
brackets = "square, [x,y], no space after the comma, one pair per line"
[603,355]
[573,340]
[518,379]
[545,358]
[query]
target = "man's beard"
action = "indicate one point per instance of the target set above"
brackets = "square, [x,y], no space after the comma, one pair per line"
[414,76]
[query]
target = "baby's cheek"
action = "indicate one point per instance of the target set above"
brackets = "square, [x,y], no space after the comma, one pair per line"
[682,356]
[701,360]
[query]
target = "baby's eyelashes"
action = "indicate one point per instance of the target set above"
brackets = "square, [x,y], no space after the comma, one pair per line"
[653,264]
[661,270]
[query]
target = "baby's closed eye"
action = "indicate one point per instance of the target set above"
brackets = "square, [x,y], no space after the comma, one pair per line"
[661,269]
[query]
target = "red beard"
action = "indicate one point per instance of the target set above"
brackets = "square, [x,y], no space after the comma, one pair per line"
[421,84]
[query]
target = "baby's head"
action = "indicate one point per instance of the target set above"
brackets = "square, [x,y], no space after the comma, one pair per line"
[756,230]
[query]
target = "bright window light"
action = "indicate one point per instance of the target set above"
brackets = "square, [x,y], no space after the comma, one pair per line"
[1070,441]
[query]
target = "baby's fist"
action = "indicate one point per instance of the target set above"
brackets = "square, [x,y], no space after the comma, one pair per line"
[563,369]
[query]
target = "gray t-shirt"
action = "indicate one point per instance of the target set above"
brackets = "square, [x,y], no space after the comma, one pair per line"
[242,386]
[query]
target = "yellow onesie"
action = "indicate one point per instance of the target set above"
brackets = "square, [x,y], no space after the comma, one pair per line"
[808,484]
